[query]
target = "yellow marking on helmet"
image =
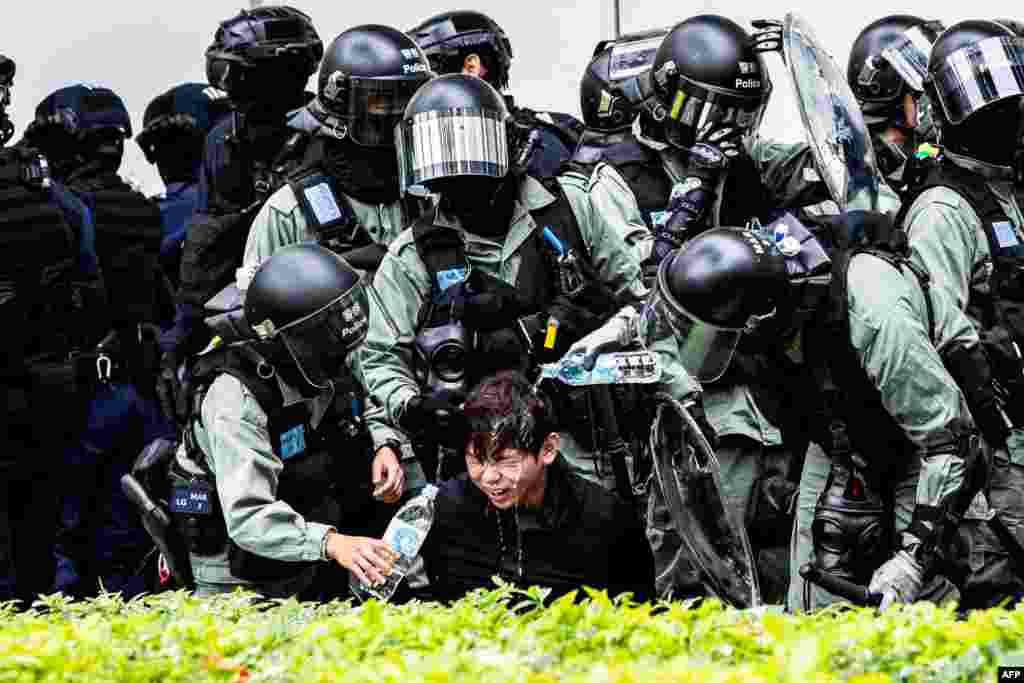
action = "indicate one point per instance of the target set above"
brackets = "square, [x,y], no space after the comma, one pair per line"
[552,333]
[606,103]
[677,105]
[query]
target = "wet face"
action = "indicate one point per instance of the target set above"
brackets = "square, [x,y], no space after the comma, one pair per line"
[512,476]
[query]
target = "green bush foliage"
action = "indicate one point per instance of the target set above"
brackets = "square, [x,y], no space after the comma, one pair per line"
[498,635]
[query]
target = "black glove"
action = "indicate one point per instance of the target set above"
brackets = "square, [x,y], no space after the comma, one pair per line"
[693,197]
[486,304]
[437,417]
[169,389]
[574,322]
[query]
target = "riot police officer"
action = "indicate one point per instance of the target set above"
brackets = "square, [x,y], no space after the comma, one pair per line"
[348,196]
[612,91]
[886,70]
[272,475]
[84,128]
[965,226]
[505,272]
[471,42]
[7,71]
[54,296]
[694,160]
[174,129]
[262,58]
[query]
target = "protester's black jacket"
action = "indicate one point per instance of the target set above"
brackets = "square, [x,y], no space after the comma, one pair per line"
[583,535]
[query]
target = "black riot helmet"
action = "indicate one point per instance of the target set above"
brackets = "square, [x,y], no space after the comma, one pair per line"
[264,56]
[367,77]
[975,81]
[450,37]
[7,69]
[174,128]
[707,75]
[612,90]
[719,285]
[80,124]
[888,60]
[314,303]
[454,126]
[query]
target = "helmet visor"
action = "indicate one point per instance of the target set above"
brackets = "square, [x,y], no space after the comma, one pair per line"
[909,56]
[367,109]
[977,75]
[632,59]
[695,111]
[319,342]
[454,142]
[704,350]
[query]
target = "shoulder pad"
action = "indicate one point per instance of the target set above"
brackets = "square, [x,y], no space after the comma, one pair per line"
[628,152]
[283,199]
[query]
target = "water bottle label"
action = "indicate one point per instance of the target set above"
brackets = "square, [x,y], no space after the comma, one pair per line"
[404,538]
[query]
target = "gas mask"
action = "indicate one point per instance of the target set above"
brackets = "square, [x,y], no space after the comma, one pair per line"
[441,358]
[849,529]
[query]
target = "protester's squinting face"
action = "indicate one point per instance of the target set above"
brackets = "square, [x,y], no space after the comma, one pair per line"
[513,475]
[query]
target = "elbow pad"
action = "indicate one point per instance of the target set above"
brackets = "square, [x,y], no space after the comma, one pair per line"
[972,373]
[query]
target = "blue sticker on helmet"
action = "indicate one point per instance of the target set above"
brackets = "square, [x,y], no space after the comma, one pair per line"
[1006,236]
[293,442]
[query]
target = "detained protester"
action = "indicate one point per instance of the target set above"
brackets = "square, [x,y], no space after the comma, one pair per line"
[262,59]
[272,478]
[518,513]
[505,273]
[174,129]
[51,301]
[82,129]
[470,42]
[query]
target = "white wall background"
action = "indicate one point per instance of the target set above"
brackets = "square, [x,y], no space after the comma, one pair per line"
[141,48]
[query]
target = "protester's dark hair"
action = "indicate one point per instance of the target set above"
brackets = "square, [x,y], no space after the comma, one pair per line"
[505,411]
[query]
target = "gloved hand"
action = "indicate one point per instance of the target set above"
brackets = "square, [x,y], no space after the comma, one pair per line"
[693,197]
[486,309]
[573,322]
[169,389]
[900,579]
[619,333]
[435,416]
[767,36]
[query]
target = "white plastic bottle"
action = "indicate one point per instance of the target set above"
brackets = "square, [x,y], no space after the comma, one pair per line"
[405,534]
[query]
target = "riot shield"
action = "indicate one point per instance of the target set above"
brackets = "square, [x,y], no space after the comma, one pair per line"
[836,131]
[689,473]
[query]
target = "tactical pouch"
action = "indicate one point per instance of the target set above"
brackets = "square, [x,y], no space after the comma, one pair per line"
[1002,344]
[204,531]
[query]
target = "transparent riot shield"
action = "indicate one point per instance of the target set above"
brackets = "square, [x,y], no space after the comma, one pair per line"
[836,131]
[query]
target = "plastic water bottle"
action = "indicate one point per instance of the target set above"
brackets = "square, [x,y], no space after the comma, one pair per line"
[619,367]
[405,534]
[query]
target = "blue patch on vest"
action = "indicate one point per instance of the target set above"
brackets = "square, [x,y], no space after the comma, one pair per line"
[1006,236]
[293,442]
[447,278]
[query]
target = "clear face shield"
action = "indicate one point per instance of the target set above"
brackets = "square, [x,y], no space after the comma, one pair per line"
[454,142]
[909,56]
[365,109]
[320,342]
[704,349]
[978,75]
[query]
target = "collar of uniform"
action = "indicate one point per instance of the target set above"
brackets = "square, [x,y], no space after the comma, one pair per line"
[318,405]
[532,196]
[989,171]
